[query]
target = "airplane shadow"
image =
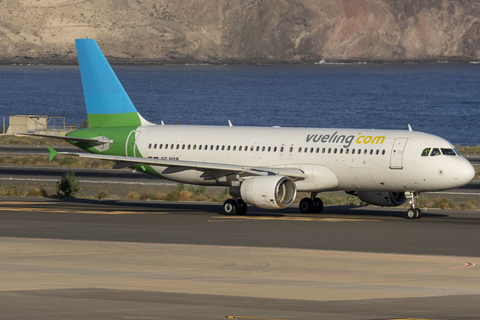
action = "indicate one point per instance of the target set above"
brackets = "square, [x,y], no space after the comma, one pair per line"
[153,207]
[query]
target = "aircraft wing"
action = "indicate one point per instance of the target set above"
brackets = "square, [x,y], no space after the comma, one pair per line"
[101,141]
[123,162]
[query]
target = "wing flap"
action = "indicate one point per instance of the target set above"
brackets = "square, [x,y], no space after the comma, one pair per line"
[66,138]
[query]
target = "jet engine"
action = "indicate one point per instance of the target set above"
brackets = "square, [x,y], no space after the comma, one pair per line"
[267,192]
[384,199]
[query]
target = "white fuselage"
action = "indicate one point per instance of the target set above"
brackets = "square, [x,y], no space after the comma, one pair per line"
[332,159]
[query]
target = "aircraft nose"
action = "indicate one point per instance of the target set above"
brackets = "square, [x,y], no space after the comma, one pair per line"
[463,172]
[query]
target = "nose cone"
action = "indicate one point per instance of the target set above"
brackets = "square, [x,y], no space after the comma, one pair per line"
[463,172]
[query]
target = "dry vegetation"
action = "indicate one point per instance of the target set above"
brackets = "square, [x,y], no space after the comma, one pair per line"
[59,161]
[19,141]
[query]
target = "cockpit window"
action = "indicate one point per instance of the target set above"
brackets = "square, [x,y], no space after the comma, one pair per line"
[435,152]
[448,152]
[425,152]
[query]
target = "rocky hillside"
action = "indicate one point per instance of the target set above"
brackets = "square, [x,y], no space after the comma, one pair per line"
[139,31]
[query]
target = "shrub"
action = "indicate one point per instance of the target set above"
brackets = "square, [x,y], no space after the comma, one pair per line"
[102,195]
[184,195]
[174,194]
[132,195]
[68,185]
[443,203]
[37,192]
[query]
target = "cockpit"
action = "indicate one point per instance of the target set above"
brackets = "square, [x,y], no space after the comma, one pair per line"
[432,152]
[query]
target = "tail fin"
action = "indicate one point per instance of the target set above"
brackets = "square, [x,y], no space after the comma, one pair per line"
[108,105]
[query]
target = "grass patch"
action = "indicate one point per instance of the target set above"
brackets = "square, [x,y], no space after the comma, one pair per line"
[469,150]
[12,140]
[59,161]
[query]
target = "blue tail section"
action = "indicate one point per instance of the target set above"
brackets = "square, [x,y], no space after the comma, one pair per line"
[107,102]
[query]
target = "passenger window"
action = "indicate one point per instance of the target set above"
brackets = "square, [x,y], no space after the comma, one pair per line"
[172,146]
[166,146]
[353,151]
[228,148]
[194,146]
[160,146]
[346,151]
[218,147]
[246,148]
[199,147]
[240,148]
[155,146]
[335,151]
[211,147]
[291,149]
[323,150]
[183,146]
[365,151]
[263,148]
[448,152]
[341,150]
[435,152]
[251,148]
[425,152]
[274,149]
[371,151]
[378,151]
[178,146]
[269,148]
[383,152]
[281,149]
[306,150]
[150,146]
[223,148]
[206,147]
[318,150]
[234,148]
[188,147]
[329,150]
[300,149]
[258,148]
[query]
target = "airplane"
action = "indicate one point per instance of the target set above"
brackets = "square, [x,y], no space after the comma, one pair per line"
[262,166]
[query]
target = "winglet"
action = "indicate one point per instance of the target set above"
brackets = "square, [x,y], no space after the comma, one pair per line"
[53,153]
[409,128]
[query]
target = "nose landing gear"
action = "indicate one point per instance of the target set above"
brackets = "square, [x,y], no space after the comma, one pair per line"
[413,213]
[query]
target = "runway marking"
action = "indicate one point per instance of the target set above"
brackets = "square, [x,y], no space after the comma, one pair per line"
[93,181]
[250,317]
[289,218]
[465,264]
[457,193]
[80,211]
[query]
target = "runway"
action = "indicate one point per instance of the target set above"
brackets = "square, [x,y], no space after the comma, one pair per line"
[85,259]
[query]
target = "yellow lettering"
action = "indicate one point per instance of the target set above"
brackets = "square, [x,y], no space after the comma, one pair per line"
[377,139]
[367,139]
[358,139]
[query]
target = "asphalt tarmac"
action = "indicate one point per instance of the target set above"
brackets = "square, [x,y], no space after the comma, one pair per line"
[85,259]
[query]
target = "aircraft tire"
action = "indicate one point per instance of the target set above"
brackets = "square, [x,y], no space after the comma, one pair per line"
[318,205]
[418,214]
[411,213]
[306,205]
[242,207]
[230,207]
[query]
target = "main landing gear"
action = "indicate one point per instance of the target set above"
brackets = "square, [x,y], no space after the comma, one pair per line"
[413,213]
[312,204]
[233,207]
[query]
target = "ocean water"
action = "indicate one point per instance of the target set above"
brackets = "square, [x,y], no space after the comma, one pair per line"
[437,98]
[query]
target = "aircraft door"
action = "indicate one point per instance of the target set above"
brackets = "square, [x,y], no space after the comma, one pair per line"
[131,143]
[396,156]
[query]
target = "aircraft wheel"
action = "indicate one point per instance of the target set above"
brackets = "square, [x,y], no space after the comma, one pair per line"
[307,205]
[318,205]
[418,214]
[230,207]
[411,213]
[242,207]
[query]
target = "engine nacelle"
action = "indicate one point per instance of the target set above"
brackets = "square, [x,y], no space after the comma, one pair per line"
[384,199]
[267,192]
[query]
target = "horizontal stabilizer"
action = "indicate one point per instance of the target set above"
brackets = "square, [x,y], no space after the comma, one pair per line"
[65,138]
